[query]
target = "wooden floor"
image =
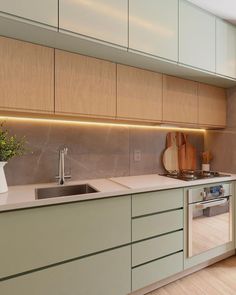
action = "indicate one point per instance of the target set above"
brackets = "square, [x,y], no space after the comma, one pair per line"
[218,279]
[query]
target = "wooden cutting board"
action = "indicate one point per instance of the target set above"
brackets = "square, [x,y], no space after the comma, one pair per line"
[187,155]
[170,156]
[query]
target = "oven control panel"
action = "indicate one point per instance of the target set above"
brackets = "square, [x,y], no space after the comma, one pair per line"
[209,192]
[213,192]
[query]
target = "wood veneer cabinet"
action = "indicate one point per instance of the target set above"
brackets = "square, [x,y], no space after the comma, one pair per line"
[90,87]
[180,101]
[212,105]
[84,85]
[139,94]
[26,76]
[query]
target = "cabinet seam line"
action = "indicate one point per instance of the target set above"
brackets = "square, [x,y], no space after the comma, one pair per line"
[58,11]
[158,212]
[61,263]
[54,79]
[156,259]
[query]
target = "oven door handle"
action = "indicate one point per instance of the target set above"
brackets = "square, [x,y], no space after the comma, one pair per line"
[204,205]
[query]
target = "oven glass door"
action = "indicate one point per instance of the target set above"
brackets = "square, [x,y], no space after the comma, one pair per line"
[209,225]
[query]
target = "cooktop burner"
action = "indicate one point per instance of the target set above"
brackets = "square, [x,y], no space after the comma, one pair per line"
[189,175]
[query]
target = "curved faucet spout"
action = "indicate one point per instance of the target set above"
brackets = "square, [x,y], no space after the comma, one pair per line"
[61,166]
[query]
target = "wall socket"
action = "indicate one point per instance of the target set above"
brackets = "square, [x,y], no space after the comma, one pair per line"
[137,155]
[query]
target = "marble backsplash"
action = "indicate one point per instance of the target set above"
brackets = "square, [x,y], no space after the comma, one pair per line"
[93,151]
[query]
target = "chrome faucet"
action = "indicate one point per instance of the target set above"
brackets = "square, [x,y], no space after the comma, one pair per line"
[61,166]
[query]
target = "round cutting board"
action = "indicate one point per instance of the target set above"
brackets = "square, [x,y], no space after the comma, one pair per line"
[170,156]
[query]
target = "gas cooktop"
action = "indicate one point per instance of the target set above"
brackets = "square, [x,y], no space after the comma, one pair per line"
[189,175]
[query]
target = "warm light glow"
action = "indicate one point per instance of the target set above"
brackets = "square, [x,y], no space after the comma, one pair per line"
[104,124]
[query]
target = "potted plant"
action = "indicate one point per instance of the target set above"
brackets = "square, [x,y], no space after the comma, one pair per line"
[10,146]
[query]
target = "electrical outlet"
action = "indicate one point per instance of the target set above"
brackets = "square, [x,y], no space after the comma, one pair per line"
[137,155]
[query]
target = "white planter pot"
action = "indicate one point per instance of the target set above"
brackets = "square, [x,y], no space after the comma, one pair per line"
[3,182]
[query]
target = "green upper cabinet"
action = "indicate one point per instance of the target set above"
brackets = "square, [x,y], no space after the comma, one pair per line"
[196,37]
[153,27]
[43,11]
[225,48]
[104,20]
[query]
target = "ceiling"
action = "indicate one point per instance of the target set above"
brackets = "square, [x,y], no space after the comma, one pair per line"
[225,9]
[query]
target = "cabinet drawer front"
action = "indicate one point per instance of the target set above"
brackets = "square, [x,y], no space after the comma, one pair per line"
[79,277]
[156,224]
[38,237]
[156,201]
[157,270]
[157,247]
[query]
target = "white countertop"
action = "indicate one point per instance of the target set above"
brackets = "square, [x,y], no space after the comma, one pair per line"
[23,196]
[157,182]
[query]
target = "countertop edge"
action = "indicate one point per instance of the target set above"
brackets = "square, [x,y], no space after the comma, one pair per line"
[121,190]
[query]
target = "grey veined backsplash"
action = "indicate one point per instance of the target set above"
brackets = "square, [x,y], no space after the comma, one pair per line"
[222,143]
[93,151]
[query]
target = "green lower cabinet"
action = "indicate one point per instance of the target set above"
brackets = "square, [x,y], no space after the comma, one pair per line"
[156,224]
[37,237]
[158,247]
[157,201]
[157,270]
[107,273]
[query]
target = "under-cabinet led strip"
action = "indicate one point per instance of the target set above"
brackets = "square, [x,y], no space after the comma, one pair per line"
[104,124]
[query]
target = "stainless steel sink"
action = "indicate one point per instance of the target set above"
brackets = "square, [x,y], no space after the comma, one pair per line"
[62,191]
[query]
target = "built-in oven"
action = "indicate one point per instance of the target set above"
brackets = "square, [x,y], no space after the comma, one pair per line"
[209,217]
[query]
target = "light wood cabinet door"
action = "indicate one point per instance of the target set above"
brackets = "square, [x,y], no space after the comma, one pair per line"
[196,37]
[43,11]
[107,273]
[38,237]
[105,20]
[139,94]
[84,85]
[225,48]
[153,27]
[212,105]
[180,101]
[26,77]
